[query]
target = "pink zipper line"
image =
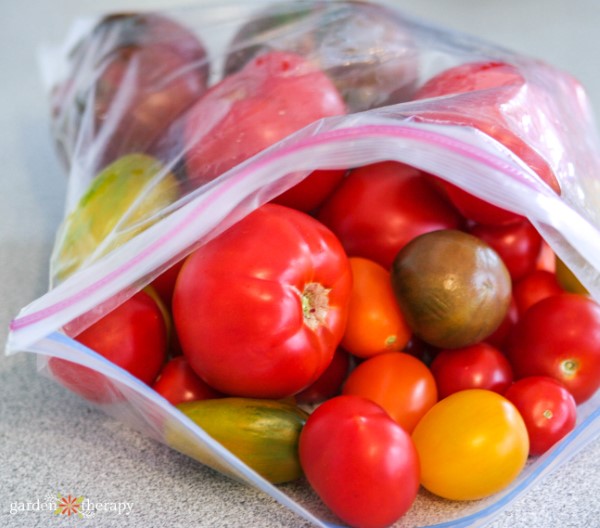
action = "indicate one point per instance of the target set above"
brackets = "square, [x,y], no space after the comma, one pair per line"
[332,136]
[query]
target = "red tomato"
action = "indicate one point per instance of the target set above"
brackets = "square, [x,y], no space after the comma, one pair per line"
[498,84]
[378,208]
[178,383]
[518,244]
[133,336]
[479,366]
[533,287]
[274,95]
[498,338]
[361,463]
[128,80]
[164,284]
[375,322]
[261,309]
[398,382]
[547,259]
[477,209]
[312,191]
[85,382]
[559,337]
[548,410]
[472,77]
[329,383]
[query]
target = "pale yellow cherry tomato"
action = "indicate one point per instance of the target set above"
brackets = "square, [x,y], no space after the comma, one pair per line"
[471,444]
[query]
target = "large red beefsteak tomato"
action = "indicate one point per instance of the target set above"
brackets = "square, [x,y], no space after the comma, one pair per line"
[261,308]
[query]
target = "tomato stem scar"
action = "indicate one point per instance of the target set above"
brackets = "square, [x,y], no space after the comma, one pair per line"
[315,304]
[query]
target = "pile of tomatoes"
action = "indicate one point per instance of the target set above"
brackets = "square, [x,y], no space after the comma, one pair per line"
[434,338]
[287,304]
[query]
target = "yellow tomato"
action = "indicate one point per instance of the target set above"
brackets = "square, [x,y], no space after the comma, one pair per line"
[471,444]
[375,322]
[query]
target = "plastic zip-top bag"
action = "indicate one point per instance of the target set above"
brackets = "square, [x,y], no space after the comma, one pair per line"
[176,127]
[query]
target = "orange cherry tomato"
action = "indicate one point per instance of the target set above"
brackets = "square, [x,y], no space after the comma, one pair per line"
[375,322]
[400,383]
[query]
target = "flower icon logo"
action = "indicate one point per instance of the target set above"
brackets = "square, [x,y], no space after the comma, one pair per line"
[69,505]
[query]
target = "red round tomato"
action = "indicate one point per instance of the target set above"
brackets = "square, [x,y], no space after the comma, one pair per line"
[518,244]
[398,382]
[329,383]
[133,336]
[499,337]
[178,383]
[546,259]
[548,410]
[533,287]
[312,191]
[378,208]
[131,77]
[479,366]
[472,77]
[261,309]
[274,95]
[361,463]
[559,337]
[498,83]
[164,284]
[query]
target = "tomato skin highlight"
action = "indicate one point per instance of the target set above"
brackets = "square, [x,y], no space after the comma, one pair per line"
[398,382]
[548,409]
[361,463]
[375,322]
[261,309]
[471,445]
[559,337]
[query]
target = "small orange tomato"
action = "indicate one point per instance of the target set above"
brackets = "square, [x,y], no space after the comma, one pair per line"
[375,322]
[400,383]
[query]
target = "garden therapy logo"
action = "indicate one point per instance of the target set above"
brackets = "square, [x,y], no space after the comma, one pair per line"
[72,506]
[69,505]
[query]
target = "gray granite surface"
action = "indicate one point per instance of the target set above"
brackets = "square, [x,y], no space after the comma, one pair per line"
[52,442]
